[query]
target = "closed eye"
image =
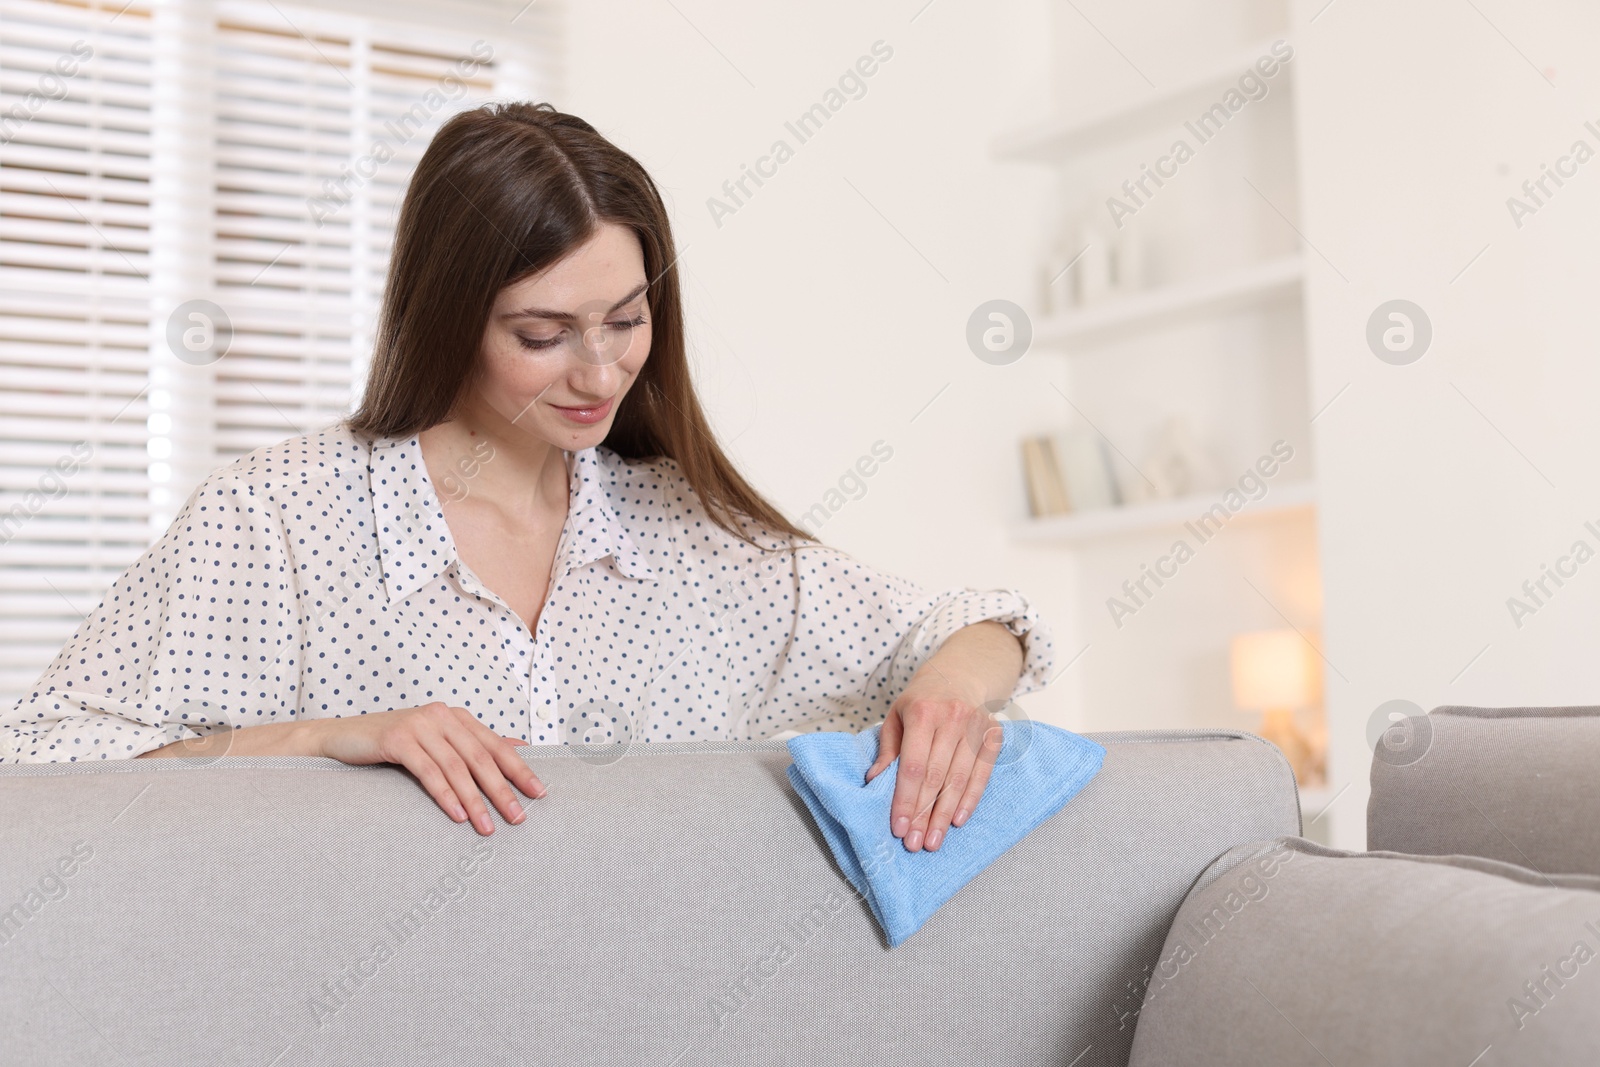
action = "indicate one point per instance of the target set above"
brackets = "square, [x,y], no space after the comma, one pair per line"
[550,342]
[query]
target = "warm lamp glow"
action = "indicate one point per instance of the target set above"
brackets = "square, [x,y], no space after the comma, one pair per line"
[1274,669]
[1276,672]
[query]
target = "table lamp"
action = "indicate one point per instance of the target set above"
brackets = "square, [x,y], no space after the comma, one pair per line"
[1275,672]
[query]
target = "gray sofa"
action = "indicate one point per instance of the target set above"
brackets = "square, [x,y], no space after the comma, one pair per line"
[671,904]
[671,907]
[1511,784]
[1468,936]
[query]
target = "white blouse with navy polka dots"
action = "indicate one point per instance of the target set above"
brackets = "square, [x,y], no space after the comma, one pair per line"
[316,577]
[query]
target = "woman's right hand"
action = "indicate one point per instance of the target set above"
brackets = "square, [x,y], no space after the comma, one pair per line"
[447,749]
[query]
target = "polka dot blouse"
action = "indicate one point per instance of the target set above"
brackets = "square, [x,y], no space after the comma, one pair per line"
[316,577]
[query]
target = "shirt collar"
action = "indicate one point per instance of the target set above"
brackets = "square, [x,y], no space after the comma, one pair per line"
[414,542]
[595,531]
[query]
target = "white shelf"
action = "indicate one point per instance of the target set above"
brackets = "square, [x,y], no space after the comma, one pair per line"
[1058,138]
[1162,514]
[1251,286]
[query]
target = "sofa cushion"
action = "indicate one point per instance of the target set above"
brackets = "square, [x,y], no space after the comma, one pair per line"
[672,907]
[1290,953]
[1511,784]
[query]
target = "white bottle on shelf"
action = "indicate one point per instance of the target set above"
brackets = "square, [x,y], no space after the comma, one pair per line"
[1127,262]
[1056,278]
[1093,272]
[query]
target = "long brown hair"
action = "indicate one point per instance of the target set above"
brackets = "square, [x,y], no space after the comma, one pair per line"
[503,191]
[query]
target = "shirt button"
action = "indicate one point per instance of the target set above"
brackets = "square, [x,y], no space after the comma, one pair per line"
[544,712]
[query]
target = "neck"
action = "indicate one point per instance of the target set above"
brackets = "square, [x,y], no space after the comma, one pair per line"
[481,454]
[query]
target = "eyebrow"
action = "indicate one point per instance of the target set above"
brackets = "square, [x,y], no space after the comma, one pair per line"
[546,313]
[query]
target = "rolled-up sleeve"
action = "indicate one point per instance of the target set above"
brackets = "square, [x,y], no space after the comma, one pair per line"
[201,632]
[861,634]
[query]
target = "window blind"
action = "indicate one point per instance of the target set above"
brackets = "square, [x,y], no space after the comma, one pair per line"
[197,203]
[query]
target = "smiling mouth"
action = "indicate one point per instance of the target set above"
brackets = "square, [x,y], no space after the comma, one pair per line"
[590,415]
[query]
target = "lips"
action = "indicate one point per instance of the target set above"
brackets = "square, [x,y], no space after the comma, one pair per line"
[587,414]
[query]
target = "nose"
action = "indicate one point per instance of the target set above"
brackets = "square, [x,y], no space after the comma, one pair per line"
[590,379]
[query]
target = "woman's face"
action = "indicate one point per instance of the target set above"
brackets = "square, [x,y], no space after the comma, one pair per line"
[563,346]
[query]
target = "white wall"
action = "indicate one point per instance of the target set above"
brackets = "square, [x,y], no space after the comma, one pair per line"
[818,329]
[1449,481]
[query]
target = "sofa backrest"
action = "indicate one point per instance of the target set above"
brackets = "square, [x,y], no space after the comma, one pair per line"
[674,906]
[1510,784]
[1296,955]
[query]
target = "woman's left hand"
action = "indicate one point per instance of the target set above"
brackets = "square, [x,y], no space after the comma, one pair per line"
[947,743]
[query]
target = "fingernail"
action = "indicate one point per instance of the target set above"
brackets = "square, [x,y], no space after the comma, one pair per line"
[516,812]
[484,825]
[901,825]
[459,812]
[961,816]
[914,840]
[934,838]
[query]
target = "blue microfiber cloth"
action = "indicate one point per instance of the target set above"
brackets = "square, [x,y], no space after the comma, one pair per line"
[1039,768]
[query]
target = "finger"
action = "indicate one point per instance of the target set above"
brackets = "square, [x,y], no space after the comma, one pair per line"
[512,766]
[888,744]
[914,746]
[954,791]
[459,775]
[482,757]
[941,756]
[414,758]
[982,767]
[516,770]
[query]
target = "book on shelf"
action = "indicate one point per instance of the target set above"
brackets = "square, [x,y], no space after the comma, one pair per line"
[1047,493]
[1085,465]
[1068,472]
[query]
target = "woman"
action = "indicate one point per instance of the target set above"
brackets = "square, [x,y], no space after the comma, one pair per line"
[525,534]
